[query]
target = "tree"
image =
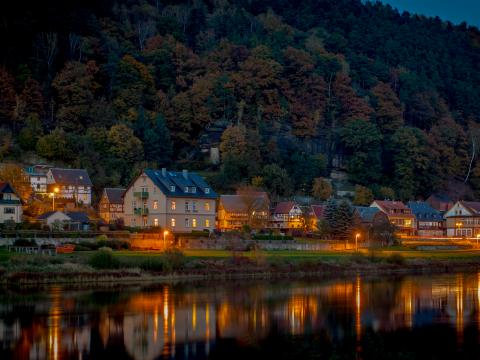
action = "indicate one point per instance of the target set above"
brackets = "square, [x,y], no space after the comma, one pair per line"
[157,143]
[383,233]
[363,196]
[30,134]
[17,178]
[386,193]
[388,108]
[7,97]
[321,189]
[124,145]
[54,145]
[339,217]
[362,141]
[276,181]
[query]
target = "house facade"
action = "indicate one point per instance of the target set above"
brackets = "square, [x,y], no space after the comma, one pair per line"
[315,214]
[72,184]
[10,204]
[176,201]
[240,210]
[429,220]
[287,216]
[399,215]
[37,175]
[110,207]
[463,219]
[61,221]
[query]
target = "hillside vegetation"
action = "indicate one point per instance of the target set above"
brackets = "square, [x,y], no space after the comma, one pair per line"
[297,88]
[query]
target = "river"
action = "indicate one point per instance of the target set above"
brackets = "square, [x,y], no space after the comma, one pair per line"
[408,317]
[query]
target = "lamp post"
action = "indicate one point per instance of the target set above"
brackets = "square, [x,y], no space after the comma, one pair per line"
[357,236]
[478,237]
[165,233]
[55,191]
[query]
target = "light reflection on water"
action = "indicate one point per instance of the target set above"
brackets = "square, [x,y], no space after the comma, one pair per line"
[195,321]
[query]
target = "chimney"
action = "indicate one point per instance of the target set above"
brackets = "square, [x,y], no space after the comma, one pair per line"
[185,174]
[164,172]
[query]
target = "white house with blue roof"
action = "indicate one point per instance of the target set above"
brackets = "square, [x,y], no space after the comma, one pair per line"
[176,201]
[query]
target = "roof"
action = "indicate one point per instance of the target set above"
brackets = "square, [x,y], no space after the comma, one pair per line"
[71,176]
[441,198]
[391,205]
[5,187]
[114,195]
[472,206]
[79,217]
[242,203]
[367,213]
[318,211]
[284,207]
[164,180]
[424,212]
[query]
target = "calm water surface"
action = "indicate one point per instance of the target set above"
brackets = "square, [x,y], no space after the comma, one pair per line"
[434,317]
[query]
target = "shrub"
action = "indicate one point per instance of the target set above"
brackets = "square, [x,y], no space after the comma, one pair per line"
[25,242]
[272,237]
[114,244]
[396,259]
[174,259]
[82,248]
[89,245]
[104,259]
[102,238]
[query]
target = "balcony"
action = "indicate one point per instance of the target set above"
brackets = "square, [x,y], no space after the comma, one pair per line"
[141,211]
[141,195]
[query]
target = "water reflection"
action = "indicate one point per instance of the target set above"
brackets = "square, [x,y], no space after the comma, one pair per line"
[197,321]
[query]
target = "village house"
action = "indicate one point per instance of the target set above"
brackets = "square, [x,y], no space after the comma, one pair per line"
[10,204]
[70,184]
[176,201]
[62,221]
[37,175]
[243,209]
[286,216]
[110,207]
[463,219]
[429,220]
[315,214]
[367,217]
[399,215]
[440,202]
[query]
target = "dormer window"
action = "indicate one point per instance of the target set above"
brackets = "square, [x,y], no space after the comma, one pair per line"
[172,188]
[186,189]
[194,189]
[207,191]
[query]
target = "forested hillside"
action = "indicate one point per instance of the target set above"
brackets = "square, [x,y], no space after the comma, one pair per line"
[299,88]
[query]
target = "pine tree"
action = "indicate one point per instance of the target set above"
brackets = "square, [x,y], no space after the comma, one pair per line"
[157,143]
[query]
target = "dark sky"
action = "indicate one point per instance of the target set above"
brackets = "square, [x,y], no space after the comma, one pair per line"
[454,10]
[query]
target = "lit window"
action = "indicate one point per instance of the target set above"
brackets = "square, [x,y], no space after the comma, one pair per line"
[186,189]
[155,204]
[194,222]
[207,206]
[187,222]
[172,222]
[172,188]
[207,191]
[173,205]
[207,223]
[155,222]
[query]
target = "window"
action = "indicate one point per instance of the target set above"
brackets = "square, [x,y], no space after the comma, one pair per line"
[194,222]
[173,205]
[186,206]
[172,222]
[194,205]
[187,222]
[207,206]
[9,210]
[155,222]
[145,221]
[207,191]
[172,188]
[155,204]
[194,189]
[207,223]
[186,189]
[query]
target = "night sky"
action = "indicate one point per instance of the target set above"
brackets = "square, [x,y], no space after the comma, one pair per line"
[453,10]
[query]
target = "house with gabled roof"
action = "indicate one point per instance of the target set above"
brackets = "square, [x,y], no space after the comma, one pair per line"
[399,215]
[243,209]
[463,219]
[429,220]
[110,206]
[59,220]
[70,184]
[440,202]
[10,204]
[314,214]
[287,215]
[176,201]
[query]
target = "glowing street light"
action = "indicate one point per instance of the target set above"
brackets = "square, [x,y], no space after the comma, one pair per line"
[357,236]
[478,237]
[165,233]
[55,191]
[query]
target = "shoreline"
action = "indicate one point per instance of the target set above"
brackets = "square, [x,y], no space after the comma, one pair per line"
[316,271]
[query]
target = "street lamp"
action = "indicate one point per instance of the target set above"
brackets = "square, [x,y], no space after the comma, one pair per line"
[478,237]
[357,236]
[165,233]
[55,191]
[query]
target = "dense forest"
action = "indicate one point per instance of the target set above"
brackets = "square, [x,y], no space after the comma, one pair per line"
[296,89]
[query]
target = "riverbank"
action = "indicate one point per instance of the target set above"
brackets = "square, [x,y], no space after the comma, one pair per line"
[133,267]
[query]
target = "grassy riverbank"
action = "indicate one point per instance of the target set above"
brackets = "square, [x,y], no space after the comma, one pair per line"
[100,266]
